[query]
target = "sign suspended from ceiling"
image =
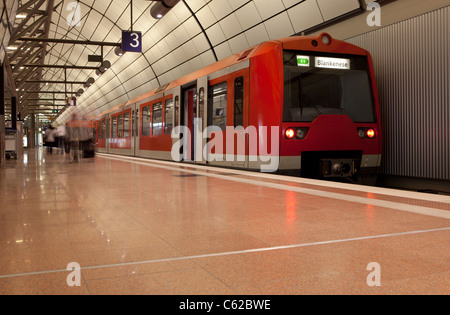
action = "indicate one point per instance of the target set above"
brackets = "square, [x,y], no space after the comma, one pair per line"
[71,101]
[132,41]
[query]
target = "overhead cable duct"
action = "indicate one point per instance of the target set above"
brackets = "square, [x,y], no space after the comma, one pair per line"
[162,7]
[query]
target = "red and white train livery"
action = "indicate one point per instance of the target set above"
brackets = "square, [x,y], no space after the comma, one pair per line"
[317,93]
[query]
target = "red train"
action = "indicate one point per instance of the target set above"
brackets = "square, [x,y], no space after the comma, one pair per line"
[301,105]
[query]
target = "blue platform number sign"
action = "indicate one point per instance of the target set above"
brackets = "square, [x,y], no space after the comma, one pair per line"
[132,41]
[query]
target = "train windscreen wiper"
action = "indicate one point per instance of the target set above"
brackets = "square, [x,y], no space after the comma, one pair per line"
[311,103]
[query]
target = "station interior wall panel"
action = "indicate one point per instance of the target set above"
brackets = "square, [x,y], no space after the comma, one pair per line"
[413,78]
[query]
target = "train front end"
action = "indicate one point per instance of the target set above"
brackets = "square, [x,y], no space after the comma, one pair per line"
[331,119]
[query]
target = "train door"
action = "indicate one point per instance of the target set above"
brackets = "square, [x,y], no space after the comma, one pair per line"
[134,129]
[108,133]
[194,117]
[177,114]
[227,115]
[239,119]
[188,120]
[201,142]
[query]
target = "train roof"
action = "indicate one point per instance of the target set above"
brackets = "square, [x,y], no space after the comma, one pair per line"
[229,61]
[289,43]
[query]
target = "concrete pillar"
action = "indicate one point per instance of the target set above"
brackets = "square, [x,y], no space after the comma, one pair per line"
[13,112]
[32,134]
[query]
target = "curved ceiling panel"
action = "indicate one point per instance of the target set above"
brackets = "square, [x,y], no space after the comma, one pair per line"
[194,34]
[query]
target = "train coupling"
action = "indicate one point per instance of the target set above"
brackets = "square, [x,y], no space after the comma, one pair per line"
[338,167]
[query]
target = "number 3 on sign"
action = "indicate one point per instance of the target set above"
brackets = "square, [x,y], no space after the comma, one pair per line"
[132,41]
[136,40]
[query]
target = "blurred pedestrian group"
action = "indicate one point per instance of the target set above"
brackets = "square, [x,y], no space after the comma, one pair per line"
[74,139]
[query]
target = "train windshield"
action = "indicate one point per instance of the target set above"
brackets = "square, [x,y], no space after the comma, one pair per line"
[326,84]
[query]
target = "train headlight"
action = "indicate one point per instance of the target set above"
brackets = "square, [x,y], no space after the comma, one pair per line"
[290,133]
[367,133]
[371,133]
[297,133]
[362,133]
[300,133]
[326,39]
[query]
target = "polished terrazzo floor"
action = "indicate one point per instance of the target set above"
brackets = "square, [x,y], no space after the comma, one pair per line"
[143,227]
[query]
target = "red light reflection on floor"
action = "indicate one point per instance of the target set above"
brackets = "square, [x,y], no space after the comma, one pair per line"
[291,206]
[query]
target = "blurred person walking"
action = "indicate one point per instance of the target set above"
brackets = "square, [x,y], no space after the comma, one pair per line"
[79,133]
[60,138]
[49,138]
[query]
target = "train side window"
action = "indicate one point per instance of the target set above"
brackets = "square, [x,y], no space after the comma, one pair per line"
[168,123]
[157,119]
[132,123]
[126,125]
[103,128]
[120,126]
[136,130]
[114,127]
[217,105]
[177,111]
[239,102]
[146,121]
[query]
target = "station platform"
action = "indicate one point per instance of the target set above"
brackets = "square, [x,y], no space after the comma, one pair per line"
[137,226]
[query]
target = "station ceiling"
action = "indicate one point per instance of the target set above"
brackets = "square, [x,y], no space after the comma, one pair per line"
[55,42]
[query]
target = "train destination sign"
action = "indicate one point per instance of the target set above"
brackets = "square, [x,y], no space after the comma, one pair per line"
[332,63]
